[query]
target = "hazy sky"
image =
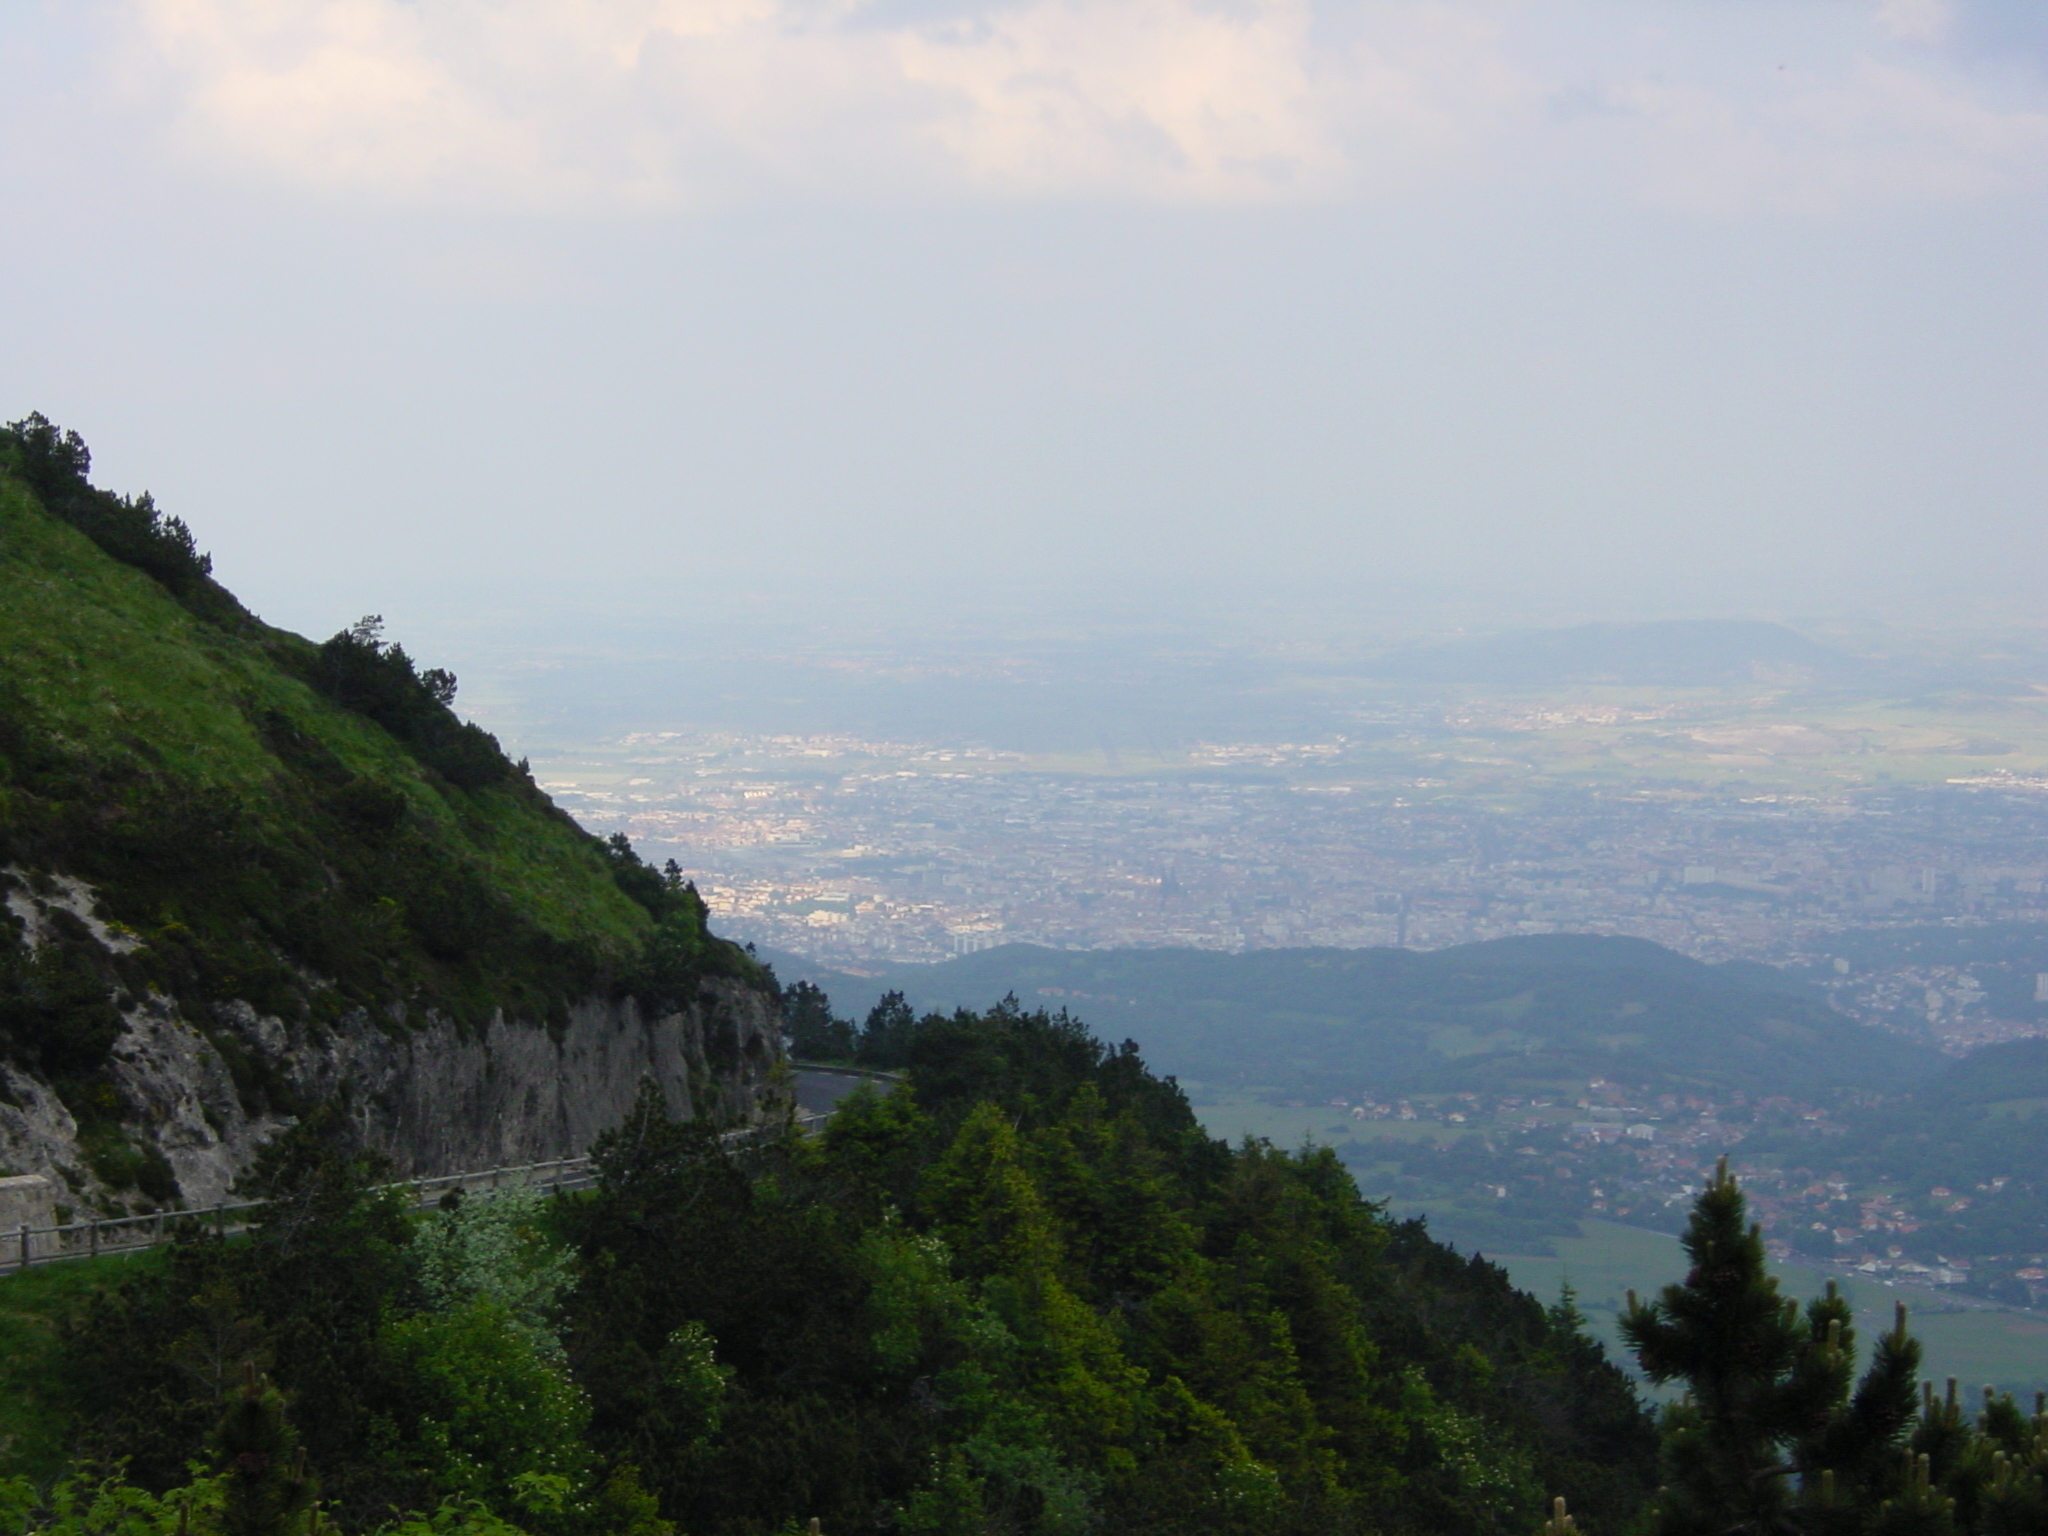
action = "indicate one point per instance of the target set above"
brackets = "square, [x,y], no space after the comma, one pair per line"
[443,306]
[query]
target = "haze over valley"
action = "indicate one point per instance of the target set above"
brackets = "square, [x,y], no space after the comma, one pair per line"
[1731,791]
[1024,768]
[1864,812]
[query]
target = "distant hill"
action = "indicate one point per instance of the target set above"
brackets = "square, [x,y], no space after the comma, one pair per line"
[2013,1072]
[1507,1015]
[1677,653]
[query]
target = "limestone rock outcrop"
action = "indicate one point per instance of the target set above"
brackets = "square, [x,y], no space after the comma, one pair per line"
[428,1096]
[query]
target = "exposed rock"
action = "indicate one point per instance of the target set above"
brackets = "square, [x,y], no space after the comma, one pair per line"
[37,1133]
[62,893]
[431,1098]
[26,1200]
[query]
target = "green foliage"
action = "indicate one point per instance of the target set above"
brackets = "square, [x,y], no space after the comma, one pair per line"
[488,1402]
[815,1032]
[885,1037]
[84,1505]
[452,1517]
[56,1015]
[360,670]
[1776,1434]
[257,1453]
[1025,1293]
[307,829]
[119,1159]
[492,1409]
[36,1431]
[305,1298]
[422,1357]
[1022,1293]
[496,1250]
[87,1505]
[57,466]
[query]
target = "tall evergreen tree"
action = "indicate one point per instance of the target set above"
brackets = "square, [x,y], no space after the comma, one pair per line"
[268,1488]
[1775,1433]
[815,1032]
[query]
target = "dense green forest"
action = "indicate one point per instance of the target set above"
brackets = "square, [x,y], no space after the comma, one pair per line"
[1022,1292]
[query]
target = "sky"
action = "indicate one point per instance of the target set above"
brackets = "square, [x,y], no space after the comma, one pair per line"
[475,313]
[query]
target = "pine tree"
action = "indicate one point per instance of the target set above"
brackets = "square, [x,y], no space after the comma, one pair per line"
[1768,1433]
[815,1032]
[1776,1435]
[268,1488]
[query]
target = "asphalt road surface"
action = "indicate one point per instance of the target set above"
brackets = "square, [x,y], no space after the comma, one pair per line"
[818,1091]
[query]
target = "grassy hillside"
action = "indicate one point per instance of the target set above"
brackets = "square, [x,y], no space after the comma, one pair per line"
[1511,1015]
[306,827]
[34,1436]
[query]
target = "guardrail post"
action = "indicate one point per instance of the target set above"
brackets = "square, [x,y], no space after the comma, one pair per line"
[93,1239]
[24,1245]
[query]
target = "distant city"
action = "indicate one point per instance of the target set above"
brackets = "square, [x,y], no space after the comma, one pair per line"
[1878,830]
[853,850]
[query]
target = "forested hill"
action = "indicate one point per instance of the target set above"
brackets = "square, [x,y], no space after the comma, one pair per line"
[1506,1015]
[1022,1293]
[201,809]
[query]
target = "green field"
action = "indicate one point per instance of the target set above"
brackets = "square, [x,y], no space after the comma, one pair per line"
[1234,1115]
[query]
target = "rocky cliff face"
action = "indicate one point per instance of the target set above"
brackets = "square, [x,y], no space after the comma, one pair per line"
[429,1098]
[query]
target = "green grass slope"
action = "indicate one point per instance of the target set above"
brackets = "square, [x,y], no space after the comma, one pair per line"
[35,1434]
[307,828]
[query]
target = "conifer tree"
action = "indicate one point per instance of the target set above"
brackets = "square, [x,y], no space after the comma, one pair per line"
[268,1488]
[1775,1434]
[1768,1427]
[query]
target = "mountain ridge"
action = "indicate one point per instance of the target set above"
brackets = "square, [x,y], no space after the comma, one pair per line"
[1535,1009]
[228,853]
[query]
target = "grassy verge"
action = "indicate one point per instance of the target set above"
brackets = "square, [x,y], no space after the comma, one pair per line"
[33,1303]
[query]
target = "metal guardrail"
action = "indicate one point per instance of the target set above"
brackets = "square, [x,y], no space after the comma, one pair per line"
[110,1235]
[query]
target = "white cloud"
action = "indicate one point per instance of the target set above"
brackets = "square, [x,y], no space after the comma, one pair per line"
[1878,134]
[564,104]
[1917,21]
[668,100]
[1179,99]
